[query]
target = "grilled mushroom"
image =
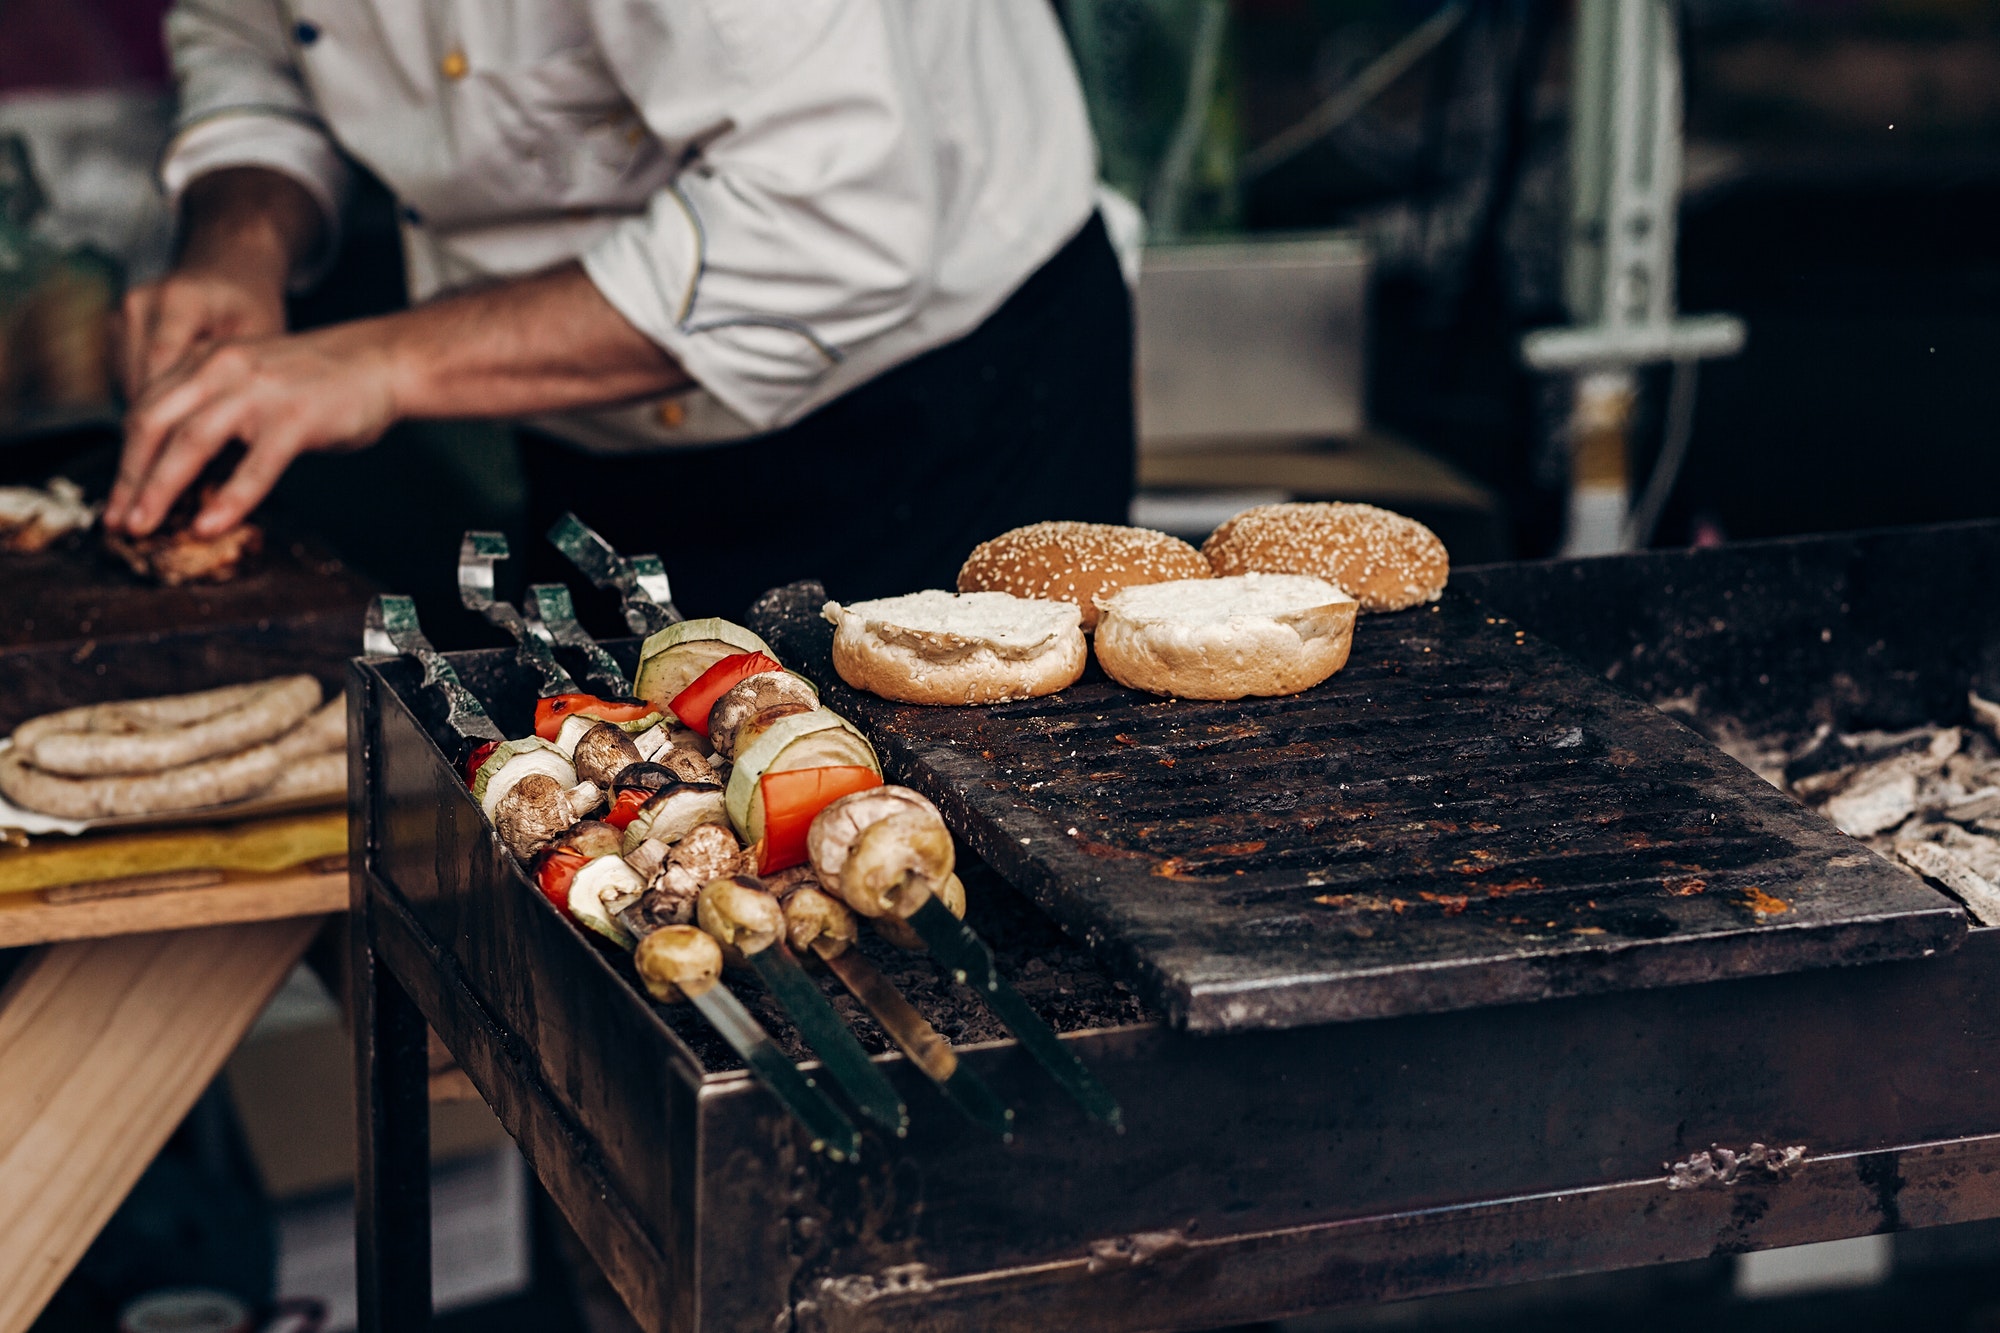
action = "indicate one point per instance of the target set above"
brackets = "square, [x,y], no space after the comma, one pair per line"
[688,765]
[589,838]
[784,883]
[903,935]
[741,914]
[676,962]
[602,753]
[668,901]
[601,891]
[642,776]
[540,809]
[671,812]
[708,851]
[882,850]
[671,895]
[818,923]
[752,704]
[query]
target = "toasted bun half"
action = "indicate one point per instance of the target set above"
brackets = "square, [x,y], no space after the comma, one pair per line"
[936,647]
[1226,638]
[1078,562]
[1387,562]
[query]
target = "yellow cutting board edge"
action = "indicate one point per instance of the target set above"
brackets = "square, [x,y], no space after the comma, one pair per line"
[256,845]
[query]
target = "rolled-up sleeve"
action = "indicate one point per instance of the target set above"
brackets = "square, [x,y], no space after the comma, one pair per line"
[243,103]
[805,221]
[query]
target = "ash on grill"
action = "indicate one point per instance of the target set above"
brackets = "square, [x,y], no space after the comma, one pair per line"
[1928,798]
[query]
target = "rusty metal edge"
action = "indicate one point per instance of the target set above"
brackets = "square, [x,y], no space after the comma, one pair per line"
[659,1292]
[1170,1280]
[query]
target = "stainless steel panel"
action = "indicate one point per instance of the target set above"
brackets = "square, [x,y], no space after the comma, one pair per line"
[1251,340]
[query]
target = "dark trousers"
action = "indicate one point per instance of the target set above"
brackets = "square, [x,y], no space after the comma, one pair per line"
[887,489]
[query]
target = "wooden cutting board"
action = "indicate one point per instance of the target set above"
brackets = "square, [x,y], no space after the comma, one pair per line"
[99,886]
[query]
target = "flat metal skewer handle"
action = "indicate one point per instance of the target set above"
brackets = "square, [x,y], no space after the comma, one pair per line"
[640,580]
[391,630]
[954,944]
[833,1133]
[830,1038]
[552,612]
[922,1043]
[477,554]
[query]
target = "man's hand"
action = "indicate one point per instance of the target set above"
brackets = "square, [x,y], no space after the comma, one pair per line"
[162,322]
[244,230]
[280,396]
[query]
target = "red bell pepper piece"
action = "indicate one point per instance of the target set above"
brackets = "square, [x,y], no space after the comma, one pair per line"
[691,705]
[793,799]
[555,872]
[479,757]
[625,808]
[552,712]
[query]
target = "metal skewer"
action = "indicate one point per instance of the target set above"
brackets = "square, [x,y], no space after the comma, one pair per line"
[640,580]
[722,913]
[391,630]
[830,1038]
[552,612]
[822,924]
[829,1125]
[682,963]
[477,554]
[916,1038]
[954,944]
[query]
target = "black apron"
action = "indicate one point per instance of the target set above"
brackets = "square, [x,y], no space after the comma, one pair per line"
[887,489]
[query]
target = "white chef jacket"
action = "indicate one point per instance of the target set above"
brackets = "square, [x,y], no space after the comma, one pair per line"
[789,196]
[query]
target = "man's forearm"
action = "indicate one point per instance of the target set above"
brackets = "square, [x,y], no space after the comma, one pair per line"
[545,343]
[257,223]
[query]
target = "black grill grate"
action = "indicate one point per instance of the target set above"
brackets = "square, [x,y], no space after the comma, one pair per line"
[1461,816]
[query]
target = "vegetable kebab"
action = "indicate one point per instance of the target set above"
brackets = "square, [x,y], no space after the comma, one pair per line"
[800,786]
[668,831]
[667,852]
[675,967]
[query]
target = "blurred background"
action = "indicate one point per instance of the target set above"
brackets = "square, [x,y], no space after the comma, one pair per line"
[1341,219]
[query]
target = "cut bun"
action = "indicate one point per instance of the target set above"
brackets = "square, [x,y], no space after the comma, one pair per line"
[935,647]
[1078,562]
[1385,561]
[1261,634]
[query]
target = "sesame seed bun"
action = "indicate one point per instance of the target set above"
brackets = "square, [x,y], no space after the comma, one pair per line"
[1385,561]
[1078,562]
[1249,634]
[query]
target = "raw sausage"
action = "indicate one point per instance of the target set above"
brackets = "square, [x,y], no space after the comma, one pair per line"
[269,710]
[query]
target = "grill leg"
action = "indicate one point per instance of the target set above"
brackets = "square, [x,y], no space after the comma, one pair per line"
[392,1178]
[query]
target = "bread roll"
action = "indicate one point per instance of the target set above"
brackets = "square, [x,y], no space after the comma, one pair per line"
[935,647]
[1078,562]
[1385,561]
[1262,634]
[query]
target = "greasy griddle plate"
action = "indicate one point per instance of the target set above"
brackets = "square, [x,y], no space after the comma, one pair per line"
[1461,817]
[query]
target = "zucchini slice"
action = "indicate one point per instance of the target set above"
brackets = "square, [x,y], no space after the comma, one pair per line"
[820,739]
[674,658]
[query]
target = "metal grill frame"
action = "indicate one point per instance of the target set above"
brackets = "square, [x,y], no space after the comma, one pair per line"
[1265,1173]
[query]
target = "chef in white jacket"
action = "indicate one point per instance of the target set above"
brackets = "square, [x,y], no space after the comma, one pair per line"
[785,288]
